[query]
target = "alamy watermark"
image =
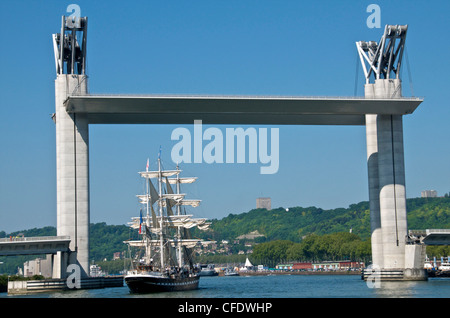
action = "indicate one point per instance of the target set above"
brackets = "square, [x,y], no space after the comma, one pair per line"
[215,152]
[374,19]
[373,277]
[75,10]
[74,279]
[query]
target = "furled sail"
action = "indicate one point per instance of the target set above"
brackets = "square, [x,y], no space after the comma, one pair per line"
[186,243]
[180,180]
[173,197]
[155,174]
[185,221]
[191,202]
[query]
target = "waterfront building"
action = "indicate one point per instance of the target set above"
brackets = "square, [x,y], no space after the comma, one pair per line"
[326,265]
[38,266]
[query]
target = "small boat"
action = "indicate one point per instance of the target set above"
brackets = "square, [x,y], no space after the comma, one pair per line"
[443,270]
[230,272]
[165,242]
[208,270]
[95,271]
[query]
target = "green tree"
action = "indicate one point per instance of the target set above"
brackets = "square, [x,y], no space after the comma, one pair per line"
[329,247]
[271,252]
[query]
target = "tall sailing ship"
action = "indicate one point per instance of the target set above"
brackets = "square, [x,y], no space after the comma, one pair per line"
[167,246]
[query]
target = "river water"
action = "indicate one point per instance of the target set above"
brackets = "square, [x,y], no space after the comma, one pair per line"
[276,286]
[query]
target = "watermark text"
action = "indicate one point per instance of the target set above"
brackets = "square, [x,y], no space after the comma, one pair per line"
[235,143]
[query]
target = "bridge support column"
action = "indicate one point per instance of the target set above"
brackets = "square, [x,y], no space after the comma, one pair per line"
[387,192]
[392,193]
[374,198]
[59,264]
[414,262]
[72,164]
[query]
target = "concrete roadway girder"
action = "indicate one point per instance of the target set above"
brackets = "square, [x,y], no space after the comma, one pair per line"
[257,110]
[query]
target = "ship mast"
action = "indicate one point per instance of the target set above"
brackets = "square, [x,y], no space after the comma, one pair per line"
[180,260]
[161,238]
[147,223]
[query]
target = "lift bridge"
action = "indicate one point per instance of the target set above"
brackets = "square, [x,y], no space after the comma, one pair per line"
[398,254]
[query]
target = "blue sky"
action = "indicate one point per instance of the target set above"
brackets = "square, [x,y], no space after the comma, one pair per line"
[214,47]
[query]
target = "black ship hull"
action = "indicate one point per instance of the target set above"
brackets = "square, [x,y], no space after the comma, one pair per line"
[152,284]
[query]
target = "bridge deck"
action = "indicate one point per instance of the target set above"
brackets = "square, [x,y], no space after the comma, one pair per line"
[34,245]
[270,110]
[432,236]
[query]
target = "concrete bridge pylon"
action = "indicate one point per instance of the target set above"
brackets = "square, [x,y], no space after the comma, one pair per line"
[393,255]
[72,146]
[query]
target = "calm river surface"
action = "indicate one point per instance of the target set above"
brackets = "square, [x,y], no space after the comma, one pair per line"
[277,286]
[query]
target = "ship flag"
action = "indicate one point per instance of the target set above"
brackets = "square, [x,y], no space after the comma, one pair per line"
[140,222]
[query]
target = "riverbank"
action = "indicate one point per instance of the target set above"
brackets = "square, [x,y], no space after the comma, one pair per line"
[270,273]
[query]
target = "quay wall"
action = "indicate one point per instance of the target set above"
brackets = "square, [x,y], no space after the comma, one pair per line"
[46,285]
